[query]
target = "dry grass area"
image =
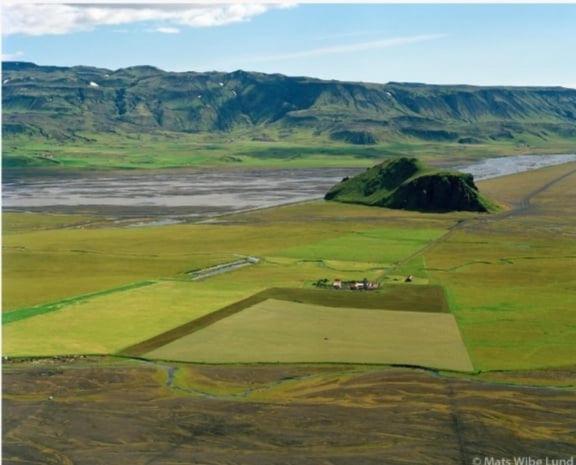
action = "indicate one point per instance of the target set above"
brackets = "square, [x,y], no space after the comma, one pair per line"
[99,412]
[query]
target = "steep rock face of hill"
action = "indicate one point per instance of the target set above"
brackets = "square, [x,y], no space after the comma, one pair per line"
[61,102]
[405,183]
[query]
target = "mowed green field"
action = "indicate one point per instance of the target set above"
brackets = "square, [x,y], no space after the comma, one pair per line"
[276,331]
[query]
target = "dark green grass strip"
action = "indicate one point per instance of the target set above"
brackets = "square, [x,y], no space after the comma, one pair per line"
[23,313]
[403,297]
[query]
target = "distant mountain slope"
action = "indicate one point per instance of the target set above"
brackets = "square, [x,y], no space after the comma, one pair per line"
[60,102]
[408,184]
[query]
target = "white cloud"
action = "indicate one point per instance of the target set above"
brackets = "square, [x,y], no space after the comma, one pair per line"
[12,56]
[350,48]
[168,30]
[43,19]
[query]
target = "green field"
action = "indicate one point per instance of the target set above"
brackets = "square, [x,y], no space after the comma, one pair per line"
[50,265]
[277,331]
[514,298]
[84,324]
[43,267]
[378,245]
[511,282]
[302,149]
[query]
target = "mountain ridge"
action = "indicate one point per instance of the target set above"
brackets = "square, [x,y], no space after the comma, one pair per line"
[19,65]
[63,102]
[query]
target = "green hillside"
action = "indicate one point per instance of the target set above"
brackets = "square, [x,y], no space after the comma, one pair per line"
[406,183]
[59,101]
[118,115]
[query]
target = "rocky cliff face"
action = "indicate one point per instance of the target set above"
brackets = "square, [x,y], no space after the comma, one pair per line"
[439,192]
[406,183]
[59,101]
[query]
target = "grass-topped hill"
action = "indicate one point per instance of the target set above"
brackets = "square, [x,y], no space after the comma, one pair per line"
[406,183]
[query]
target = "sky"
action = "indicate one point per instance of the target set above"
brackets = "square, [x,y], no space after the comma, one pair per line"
[439,44]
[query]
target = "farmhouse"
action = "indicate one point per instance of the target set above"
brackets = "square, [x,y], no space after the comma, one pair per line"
[363,285]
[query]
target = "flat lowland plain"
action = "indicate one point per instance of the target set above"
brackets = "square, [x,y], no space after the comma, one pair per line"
[276,331]
[50,266]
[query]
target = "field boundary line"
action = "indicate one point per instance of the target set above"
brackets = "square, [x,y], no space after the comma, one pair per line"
[29,312]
